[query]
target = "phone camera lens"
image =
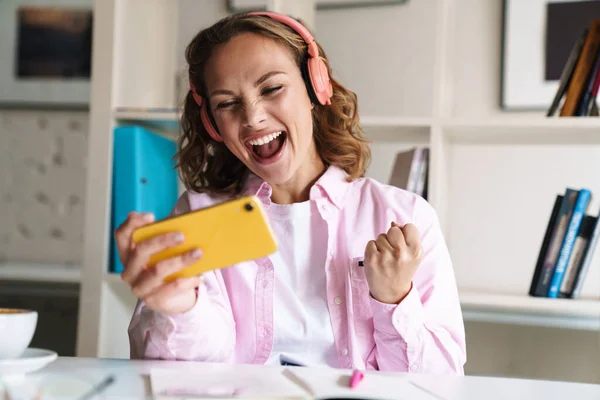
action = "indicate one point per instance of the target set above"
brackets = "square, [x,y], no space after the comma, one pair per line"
[248,207]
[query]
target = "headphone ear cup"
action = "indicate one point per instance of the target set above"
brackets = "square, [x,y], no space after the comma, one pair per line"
[320,82]
[208,125]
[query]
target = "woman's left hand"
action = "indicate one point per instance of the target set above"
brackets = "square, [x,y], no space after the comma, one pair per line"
[391,262]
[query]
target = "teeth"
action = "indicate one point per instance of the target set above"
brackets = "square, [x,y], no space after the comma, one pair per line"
[265,139]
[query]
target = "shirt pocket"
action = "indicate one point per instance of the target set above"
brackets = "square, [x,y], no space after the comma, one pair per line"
[359,288]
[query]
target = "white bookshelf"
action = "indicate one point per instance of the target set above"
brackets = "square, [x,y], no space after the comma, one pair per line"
[493,174]
[21,271]
[504,308]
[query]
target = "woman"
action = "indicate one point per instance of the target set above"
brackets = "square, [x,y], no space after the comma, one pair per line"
[362,277]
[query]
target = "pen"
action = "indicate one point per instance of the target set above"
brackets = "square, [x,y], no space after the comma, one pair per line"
[98,388]
[355,379]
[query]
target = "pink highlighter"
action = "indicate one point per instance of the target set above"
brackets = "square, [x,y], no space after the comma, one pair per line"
[355,379]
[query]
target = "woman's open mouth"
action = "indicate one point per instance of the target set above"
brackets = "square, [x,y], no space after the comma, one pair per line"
[268,149]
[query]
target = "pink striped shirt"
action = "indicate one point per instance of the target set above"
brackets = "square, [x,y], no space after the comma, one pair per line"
[232,320]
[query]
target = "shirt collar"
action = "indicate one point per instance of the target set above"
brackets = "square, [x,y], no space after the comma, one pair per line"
[332,185]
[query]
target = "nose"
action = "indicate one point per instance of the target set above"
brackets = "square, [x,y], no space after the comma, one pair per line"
[254,114]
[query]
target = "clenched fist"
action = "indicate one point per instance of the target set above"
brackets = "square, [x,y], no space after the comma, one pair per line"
[391,262]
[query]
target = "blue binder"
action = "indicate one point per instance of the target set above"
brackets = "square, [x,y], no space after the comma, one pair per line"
[144,178]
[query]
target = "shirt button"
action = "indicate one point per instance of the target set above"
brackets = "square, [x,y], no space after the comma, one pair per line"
[337,300]
[345,352]
[414,367]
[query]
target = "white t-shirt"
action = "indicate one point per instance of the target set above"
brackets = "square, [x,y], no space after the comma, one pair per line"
[302,326]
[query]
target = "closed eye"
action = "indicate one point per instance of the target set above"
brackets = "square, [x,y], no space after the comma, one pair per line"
[225,105]
[272,89]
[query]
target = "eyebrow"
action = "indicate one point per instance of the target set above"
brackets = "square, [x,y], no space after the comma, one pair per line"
[257,83]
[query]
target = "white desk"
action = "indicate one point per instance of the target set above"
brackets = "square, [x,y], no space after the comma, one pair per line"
[133,382]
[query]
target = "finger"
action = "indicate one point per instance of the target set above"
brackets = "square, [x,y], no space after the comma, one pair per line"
[123,232]
[412,238]
[141,254]
[161,296]
[153,277]
[371,253]
[383,244]
[371,248]
[396,237]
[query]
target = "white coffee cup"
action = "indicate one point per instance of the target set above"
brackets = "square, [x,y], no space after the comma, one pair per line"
[17,327]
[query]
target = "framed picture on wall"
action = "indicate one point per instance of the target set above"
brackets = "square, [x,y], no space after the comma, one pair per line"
[537,38]
[249,5]
[46,48]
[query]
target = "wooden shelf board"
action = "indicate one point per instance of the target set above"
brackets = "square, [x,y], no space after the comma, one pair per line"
[524,131]
[174,115]
[39,272]
[527,310]
[404,129]
[144,114]
[162,121]
[395,122]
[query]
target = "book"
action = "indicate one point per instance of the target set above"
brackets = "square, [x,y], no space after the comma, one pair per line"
[579,210]
[586,261]
[558,233]
[410,170]
[582,70]
[579,248]
[423,173]
[567,72]
[584,107]
[592,106]
[545,244]
[144,178]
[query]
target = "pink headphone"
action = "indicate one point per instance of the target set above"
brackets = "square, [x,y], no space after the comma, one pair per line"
[319,85]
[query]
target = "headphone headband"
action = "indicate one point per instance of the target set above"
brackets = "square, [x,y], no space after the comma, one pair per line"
[313,50]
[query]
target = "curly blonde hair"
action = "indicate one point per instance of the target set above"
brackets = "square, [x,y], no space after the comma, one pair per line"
[206,165]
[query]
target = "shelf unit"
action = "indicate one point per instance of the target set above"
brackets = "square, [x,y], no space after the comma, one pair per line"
[582,314]
[493,174]
[20,271]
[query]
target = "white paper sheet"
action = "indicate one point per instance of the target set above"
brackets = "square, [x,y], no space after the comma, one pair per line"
[323,383]
[220,383]
[291,383]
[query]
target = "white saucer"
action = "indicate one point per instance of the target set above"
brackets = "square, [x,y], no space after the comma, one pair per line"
[31,360]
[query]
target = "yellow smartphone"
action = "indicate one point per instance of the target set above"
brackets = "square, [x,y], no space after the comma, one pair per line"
[227,233]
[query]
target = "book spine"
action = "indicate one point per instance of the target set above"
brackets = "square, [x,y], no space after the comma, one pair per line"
[582,71]
[587,261]
[423,167]
[545,244]
[565,252]
[587,95]
[581,241]
[562,220]
[567,73]
[591,106]
[125,172]
[413,177]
